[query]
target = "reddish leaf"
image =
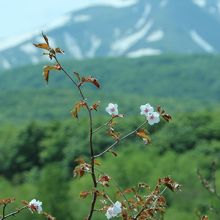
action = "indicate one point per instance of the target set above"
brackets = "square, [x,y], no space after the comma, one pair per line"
[144,135]
[129,190]
[170,183]
[118,116]
[104,180]
[113,134]
[76,108]
[164,115]
[95,106]
[6,201]
[58,50]
[42,46]
[46,71]
[89,79]
[83,195]
[81,169]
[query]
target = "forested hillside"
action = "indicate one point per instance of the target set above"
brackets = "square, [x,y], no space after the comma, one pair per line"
[39,141]
[181,83]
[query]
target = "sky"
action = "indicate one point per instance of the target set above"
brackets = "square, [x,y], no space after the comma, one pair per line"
[22,16]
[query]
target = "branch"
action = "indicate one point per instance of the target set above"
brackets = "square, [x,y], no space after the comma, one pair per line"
[153,205]
[120,139]
[12,213]
[102,126]
[90,139]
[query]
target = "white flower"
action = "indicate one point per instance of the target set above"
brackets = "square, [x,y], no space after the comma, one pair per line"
[112,109]
[153,118]
[114,210]
[35,206]
[145,109]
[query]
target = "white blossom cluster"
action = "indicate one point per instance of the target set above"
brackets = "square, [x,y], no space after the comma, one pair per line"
[147,110]
[114,210]
[35,206]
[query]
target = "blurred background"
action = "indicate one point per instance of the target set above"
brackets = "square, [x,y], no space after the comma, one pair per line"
[165,52]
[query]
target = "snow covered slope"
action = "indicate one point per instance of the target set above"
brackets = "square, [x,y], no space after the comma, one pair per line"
[138,28]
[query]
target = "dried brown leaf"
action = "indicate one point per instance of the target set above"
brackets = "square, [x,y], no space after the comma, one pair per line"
[42,46]
[89,79]
[144,135]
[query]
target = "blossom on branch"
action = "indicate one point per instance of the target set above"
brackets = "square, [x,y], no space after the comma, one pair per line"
[114,210]
[145,109]
[153,118]
[112,109]
[35,206]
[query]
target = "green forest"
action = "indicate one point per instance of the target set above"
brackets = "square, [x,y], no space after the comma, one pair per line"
[39,141]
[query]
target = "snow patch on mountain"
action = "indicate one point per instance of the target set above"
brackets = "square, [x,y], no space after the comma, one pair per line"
[82,18]
[122,45]
[144,52]
[144,16]
[155,36]
[201,42]
[16,40]
[95,44]
[59,22]
[5,64]
[72,46]
[28,48]
[200,3]
[114,3]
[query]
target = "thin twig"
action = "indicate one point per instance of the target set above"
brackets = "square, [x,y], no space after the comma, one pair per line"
[102,126]
[153,205]
[120,139]
[90,140]
[13,213]
[118,188]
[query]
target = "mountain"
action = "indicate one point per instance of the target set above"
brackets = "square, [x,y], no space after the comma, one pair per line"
[143,27]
